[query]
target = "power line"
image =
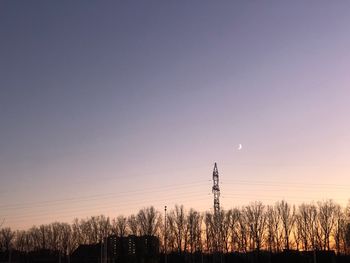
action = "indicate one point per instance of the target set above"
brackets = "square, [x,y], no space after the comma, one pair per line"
[159,202]
[152,189]
[269,183]
[126,203]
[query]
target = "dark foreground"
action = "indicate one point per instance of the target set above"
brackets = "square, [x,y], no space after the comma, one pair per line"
[252,257]
[262,257]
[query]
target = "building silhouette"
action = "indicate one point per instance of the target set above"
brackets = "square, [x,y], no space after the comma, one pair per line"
[114,249]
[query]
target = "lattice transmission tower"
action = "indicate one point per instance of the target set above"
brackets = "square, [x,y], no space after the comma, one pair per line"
[216,190]
[217,240]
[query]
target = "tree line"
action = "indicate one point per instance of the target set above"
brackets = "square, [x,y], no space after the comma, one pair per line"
[310,226]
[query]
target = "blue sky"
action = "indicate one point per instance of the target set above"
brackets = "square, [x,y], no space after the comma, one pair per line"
[122,96]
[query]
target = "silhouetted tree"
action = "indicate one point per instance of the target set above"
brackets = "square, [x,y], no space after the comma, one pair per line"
[20,241]
[303,225]
[43,232]
[313,229]
[35,238]
[225,234]
[133,225]
[194,221]
[234,215]
[254,227]
[77,234]
[339,230]
[347,238]
[149,221]
[326,218]
[243,232]
[209,231]
[7,238]
[119,226]
[177,226]
[347,229]
[256,220]
[273,235]
[287,215]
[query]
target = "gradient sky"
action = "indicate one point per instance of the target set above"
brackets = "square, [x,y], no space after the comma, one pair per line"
[107,107]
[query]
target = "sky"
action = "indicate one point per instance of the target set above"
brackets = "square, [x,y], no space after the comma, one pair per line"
[109,107]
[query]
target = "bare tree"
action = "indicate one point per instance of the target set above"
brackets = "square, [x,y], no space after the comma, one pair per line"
[149,221]
[253,227]
[194,229]
[43,231]
[339,230]
[20,240]
[53,236]
[347,228]
[311,226]
[273,221]
[34,236]
[296,236]
[133,225]
[177,226]
[303,224]
[243,231]
[209,231]
[6,238]
[119,226]
[93,229]
[287,215]
[234,215]
[347,238]
[77,234]
[326,218]
[66,245]
[225,227]
[256,220]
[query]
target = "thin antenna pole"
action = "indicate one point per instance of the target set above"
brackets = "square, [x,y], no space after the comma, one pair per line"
[165,236]
[101,250]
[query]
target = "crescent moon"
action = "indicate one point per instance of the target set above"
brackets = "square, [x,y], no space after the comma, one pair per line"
[239,147]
